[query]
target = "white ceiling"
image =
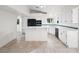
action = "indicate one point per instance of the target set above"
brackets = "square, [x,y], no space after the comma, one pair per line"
[53,9]
[49,8]
[46,8]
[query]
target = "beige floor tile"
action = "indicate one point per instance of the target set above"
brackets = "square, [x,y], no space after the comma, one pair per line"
[52,45]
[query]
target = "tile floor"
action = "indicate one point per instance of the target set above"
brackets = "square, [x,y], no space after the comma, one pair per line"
[53,45]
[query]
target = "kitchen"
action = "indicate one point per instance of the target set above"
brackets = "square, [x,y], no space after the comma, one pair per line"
[49,26]
[64,25]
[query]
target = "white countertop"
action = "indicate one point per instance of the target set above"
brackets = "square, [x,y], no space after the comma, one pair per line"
[45,26]
[37,27]
[63,25]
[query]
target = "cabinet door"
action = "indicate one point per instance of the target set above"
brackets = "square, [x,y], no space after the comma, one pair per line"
[72,39]
[63,35]
[51,30]
[60,34]
[75,14]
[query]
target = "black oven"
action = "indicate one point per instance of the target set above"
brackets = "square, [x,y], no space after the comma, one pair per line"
[34,22]
[31,22]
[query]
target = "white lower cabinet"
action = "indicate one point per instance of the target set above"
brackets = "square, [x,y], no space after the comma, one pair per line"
[69,37]
[51,29]
[62,35]
[72,38]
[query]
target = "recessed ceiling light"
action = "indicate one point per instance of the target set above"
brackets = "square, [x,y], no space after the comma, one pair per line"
[41,6]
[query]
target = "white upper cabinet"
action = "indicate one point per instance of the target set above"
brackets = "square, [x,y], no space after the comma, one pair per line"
[75,14]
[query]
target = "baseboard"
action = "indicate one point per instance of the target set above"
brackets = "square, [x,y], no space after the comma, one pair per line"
[7,38]
[10,43]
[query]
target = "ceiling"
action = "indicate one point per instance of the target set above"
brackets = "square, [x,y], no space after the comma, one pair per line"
[49,8]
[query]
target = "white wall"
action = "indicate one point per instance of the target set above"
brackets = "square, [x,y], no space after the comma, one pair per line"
[7,27]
